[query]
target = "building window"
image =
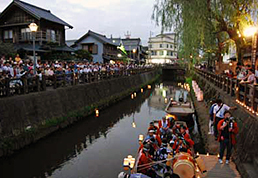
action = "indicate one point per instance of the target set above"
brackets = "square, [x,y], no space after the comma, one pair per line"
[95,49]
[161,53]
[167,46]
[160,45]
[91,48]
[51,35]
[171,53]
[175,47]
[26,34]
[8,34]
[171,46]
[154,53]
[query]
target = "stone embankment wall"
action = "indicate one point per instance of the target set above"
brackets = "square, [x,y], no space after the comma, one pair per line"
[27,118]
[245,152]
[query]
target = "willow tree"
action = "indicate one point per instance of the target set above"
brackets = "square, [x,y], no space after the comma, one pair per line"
[206,25]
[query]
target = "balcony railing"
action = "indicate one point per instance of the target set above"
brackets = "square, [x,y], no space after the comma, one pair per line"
[40,36]
[245,94]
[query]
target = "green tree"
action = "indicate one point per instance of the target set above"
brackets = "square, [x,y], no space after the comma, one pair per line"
[7,49]
[83,54]
[206,25]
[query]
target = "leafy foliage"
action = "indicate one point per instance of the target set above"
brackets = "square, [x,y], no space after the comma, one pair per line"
[7,50]
[83,54]
[206,25]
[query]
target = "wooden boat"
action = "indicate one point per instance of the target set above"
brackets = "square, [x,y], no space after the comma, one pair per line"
[183,164]
[178,108]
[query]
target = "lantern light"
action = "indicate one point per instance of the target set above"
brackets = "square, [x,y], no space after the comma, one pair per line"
[134,94]
[132,162]
[97,113]
[133,125]
[149,87]
[207,154]
[140,137]
[126,163]
[33,27]
[141,90]
[197,153]
[218,155]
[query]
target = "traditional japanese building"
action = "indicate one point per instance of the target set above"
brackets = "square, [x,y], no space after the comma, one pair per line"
[100,47]
[14,28]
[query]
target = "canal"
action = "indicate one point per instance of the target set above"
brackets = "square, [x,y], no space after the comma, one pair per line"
[95,146]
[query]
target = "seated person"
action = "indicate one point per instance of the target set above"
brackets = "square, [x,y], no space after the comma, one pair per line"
[164,125]
[155,128]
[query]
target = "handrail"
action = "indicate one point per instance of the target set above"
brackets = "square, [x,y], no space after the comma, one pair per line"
[25,85]
[245,94]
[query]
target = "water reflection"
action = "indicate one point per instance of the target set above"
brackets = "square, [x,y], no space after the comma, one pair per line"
[42,158]
[94,147]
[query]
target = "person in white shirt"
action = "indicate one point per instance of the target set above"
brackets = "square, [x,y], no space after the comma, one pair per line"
[218,112]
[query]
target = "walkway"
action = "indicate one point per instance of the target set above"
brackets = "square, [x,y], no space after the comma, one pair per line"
[217,170]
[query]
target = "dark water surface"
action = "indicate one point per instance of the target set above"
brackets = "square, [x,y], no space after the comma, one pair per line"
[93,147]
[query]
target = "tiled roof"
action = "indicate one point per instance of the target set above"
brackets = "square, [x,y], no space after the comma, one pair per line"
[98,36]
[38,12]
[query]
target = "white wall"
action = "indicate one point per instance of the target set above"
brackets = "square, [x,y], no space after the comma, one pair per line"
[96,57]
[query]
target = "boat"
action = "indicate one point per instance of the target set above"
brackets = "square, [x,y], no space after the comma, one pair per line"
[180,108]
[182,164]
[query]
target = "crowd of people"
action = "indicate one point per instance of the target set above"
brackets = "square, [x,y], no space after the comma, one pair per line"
[162,141]
[245,73]
[16,68]
[223,126]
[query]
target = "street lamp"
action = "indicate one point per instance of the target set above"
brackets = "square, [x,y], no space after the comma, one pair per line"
[252,31]
[33,28]
[134,51]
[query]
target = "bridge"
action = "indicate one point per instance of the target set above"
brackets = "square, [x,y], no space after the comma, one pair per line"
[174,72]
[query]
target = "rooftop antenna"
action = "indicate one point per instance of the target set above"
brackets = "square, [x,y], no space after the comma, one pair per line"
[128,35]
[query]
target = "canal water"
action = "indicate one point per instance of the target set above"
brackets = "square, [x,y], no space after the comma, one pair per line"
[95,146]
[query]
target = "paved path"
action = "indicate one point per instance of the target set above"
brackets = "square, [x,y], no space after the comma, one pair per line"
[217,170]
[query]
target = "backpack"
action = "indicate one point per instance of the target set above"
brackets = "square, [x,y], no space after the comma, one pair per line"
[211,109]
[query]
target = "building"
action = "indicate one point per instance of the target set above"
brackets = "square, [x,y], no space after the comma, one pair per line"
[133,48]
[14,28]
[163,48]
[102,49]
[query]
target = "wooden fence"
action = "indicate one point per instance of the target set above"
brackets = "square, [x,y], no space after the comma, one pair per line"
[25,85]
[244,94]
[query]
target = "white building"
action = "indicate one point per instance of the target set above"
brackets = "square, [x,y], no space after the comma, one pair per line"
[163,48]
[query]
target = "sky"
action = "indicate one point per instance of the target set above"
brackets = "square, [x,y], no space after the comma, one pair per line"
[108,17]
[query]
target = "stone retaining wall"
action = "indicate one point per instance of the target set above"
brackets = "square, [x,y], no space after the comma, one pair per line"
[25,119]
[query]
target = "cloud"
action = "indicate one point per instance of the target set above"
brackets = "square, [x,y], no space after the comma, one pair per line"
[108,17]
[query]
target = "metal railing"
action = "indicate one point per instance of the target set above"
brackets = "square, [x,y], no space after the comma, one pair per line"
[25,85]
[244,93]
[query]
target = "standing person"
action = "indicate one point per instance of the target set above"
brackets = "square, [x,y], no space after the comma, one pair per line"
[256,74]
[218,112]
[227,135]
[211,130]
